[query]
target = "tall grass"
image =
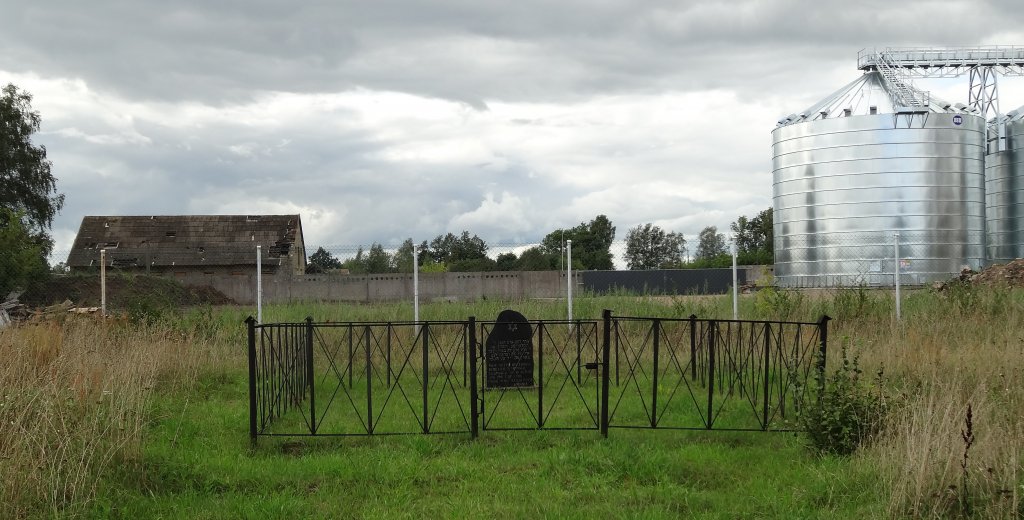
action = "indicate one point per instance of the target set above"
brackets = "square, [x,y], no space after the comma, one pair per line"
[73,403]
[960,347]
[74,394]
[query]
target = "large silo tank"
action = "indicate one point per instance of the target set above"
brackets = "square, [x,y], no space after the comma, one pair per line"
[854,170]
[1004,189]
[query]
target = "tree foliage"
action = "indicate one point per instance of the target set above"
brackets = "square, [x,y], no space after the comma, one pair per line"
[27,186]
[451,249]
[591,244]
[755,238]
[322,261]
[650,247]
[710,244]
[22,262]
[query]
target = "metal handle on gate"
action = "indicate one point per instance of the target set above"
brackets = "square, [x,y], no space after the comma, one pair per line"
[592,366]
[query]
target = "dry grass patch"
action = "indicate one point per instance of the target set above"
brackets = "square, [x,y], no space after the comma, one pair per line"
[74,402]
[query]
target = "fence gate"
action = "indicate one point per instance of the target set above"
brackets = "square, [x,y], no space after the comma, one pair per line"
[543,375]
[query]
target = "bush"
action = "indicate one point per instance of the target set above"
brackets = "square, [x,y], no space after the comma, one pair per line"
[780,304]
[844,412]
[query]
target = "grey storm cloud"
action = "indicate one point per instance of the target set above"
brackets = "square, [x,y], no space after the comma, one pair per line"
[462,50]
[388,119]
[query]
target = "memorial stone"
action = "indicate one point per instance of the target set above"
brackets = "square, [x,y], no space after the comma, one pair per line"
[509,352]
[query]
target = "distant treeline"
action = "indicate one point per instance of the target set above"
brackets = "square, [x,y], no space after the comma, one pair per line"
[647,247]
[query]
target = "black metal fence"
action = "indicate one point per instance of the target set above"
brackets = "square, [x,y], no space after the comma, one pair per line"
[391,378]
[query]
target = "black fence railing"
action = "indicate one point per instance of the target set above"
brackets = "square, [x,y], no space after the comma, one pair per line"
[713,374]
[433,377]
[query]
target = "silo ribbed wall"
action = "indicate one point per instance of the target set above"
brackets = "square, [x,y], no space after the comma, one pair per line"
[842,187]
[1004,197]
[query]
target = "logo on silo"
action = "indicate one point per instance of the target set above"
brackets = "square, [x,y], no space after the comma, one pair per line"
[958,120]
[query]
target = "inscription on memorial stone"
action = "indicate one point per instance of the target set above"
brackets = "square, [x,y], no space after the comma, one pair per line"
[509,352]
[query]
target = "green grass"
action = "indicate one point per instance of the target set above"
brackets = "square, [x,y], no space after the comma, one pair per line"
[146,416]
[198,464]
[197,461]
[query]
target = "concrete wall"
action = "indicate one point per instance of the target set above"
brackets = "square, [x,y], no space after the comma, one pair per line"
[502,285]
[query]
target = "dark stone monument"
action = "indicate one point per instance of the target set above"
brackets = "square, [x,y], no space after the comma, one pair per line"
[509,352]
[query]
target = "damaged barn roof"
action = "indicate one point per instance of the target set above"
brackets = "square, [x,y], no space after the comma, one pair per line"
[186,240]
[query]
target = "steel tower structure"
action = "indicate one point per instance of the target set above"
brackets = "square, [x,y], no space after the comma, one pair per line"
[899,65]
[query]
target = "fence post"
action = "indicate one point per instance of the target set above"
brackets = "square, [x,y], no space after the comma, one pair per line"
[896,247]
[369,381]
[822,348]
[735,285]
[259,284]
[388,360]
[540,374]
[568,270]
[415,285]
[425,331]
[310,375]
[767,372]
[250,323]
[606,349]
[712,330]
[616,353]
[654,386]
[474,428]
[693,347]
[102,283]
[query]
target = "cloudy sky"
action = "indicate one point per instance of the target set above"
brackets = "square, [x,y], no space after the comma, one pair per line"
[378,120]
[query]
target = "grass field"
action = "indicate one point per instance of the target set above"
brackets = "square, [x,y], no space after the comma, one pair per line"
[148,418]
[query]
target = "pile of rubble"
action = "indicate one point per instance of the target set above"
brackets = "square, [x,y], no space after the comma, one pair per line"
[1009,274]
[11,310]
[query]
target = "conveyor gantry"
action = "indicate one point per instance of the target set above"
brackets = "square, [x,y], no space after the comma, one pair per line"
[984,64]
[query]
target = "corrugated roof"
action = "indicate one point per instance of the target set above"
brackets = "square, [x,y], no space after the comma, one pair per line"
[859,97]
[185,240]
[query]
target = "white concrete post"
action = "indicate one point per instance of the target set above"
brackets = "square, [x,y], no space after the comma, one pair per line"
[415,285]
[896,247]
[103,282]
[735,287]
[568,271]
[259,284]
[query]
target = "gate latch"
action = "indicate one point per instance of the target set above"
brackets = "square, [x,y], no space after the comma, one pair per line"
[592,366]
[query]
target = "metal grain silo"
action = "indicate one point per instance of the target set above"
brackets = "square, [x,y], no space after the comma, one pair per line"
[1004,189]
[856,168]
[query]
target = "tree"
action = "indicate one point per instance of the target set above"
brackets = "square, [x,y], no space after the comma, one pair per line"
[401,261]
[650,247]
[755,238]
[506,262]
[710,243]
[356,264]
[591,244]
[450,248]
[535,259]
[322,261]
[377,260]
[22,262]
[28,189]
[742,234]
[763,231]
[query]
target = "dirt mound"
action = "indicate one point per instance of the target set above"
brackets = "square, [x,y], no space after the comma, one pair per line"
[1009,274]
[123,291]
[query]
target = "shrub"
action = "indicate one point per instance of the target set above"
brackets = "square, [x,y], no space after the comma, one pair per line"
[774,303]
[845,412]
